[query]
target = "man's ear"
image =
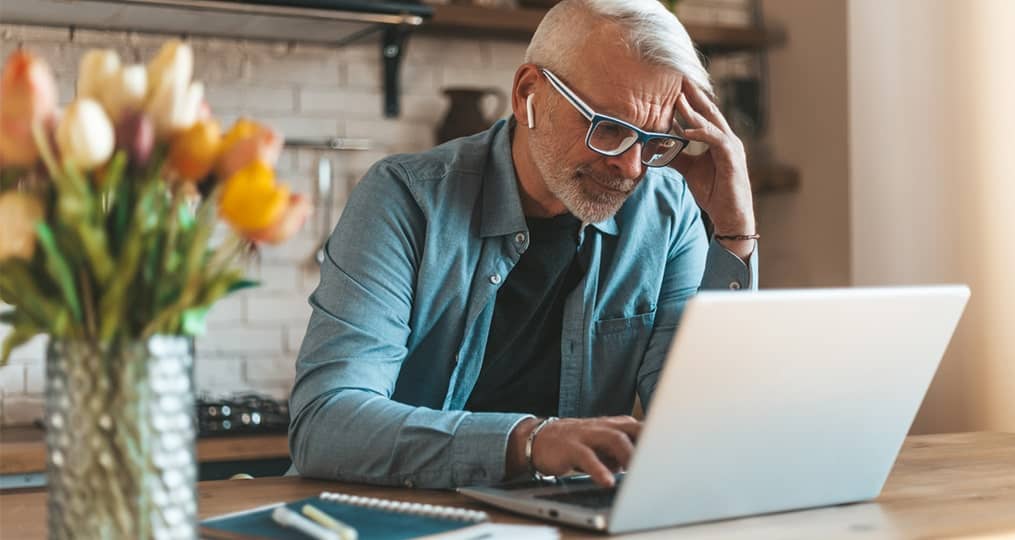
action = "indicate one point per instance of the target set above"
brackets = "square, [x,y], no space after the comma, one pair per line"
[526,79]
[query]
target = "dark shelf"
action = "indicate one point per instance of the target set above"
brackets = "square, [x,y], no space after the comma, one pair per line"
[520,23]
[774,178]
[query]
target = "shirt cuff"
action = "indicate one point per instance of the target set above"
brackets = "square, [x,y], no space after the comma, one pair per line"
[479,447]
[725,270]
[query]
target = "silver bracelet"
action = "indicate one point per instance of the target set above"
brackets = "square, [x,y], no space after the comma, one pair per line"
[528,448]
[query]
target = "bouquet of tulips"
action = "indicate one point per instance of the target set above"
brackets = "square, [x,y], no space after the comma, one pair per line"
[107,210]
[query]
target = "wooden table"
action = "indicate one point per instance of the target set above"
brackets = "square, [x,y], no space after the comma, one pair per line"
[942,486]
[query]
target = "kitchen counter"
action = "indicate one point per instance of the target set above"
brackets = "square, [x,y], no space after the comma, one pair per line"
[23,449]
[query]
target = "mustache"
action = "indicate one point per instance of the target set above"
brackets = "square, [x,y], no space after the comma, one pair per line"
[614,182]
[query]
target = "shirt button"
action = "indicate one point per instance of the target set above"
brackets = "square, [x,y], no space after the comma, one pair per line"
[520,238]
[734,285]
[495,279]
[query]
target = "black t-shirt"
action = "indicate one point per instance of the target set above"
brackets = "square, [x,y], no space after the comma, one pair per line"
[521,366]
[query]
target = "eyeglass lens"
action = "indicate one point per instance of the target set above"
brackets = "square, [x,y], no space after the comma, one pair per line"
[613,139]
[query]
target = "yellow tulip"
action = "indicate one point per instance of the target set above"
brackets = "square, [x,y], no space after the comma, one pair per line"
[296,213]
[85,134]
[194,151]
[245,142]
[19,212]
[251,200]
[27,96]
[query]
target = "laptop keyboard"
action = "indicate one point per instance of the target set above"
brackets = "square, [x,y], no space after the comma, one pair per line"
[589,498]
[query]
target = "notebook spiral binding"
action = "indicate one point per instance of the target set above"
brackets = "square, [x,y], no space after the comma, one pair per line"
[400,507]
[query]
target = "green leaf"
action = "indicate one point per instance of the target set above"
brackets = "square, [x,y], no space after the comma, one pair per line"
[19,288]
[112,306]
[241,284]
[23,331]
[193,321]
[58,269]
[114,172]
[93,241]
[185,217]
[120,215]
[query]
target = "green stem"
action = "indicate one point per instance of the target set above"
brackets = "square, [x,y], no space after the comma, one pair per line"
[88,303]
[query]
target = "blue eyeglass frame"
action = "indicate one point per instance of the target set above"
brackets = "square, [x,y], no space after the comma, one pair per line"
[595,119]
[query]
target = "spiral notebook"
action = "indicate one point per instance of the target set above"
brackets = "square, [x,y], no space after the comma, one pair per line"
[373,519]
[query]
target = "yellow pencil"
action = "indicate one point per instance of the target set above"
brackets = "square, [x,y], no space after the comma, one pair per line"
[343,530]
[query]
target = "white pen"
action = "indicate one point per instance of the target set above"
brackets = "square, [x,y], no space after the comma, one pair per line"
[343,530]
[287,518]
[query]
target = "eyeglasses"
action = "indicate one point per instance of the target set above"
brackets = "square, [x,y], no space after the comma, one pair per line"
[611,137]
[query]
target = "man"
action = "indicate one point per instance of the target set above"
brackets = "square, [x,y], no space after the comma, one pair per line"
[474,292]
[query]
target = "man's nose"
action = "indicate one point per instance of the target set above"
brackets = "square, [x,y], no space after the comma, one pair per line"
[628,164]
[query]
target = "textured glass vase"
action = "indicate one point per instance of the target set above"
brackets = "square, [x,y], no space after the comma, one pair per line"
[120,440]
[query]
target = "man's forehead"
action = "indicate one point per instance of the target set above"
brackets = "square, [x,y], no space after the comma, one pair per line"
[624,90]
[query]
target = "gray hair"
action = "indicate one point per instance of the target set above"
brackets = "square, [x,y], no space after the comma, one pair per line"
[654,33]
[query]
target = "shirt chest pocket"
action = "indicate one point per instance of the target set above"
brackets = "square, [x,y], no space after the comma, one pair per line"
[618,346]
[624,327]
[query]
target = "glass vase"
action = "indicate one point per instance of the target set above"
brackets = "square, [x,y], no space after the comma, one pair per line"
[120,440]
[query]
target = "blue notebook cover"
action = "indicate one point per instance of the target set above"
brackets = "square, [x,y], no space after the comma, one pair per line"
[371,523]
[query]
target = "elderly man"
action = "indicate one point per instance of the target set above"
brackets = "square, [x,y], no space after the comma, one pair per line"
[475,292]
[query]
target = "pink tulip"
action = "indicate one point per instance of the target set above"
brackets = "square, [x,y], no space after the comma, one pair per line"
[246,142]
[27,96]
[136,134]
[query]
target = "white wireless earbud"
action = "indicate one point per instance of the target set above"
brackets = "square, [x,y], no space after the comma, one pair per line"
[528,110]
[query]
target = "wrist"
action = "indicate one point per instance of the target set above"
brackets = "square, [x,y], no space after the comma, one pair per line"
[515,462]
[740,248]
[742,225]
[530,443]
[737,228]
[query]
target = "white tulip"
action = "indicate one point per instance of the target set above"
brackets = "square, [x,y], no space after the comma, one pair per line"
[173,65]
[85,134]
[97,67]
[173,109]
[173,101]
[126,91]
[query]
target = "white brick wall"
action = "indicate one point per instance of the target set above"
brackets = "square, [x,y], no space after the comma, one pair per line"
[303,91]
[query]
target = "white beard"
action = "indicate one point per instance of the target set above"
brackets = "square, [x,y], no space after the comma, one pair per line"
[571,185]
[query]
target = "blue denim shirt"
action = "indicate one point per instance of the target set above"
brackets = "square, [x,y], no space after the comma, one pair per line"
[402,313]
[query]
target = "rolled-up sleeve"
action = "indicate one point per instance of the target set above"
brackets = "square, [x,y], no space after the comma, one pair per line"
[693,264]
[345,425]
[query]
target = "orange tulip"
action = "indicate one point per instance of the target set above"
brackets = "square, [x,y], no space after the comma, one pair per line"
[194,151]
[251,200]
[296,213]
[246,142]
[27,96]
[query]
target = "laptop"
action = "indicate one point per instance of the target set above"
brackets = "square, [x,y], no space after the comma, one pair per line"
[769,401]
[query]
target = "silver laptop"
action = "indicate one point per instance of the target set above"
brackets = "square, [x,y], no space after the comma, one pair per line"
[769,401]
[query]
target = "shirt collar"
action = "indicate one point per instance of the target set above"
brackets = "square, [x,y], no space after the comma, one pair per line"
[502,205]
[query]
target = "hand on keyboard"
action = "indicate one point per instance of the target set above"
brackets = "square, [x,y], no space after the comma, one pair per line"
[596,446]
